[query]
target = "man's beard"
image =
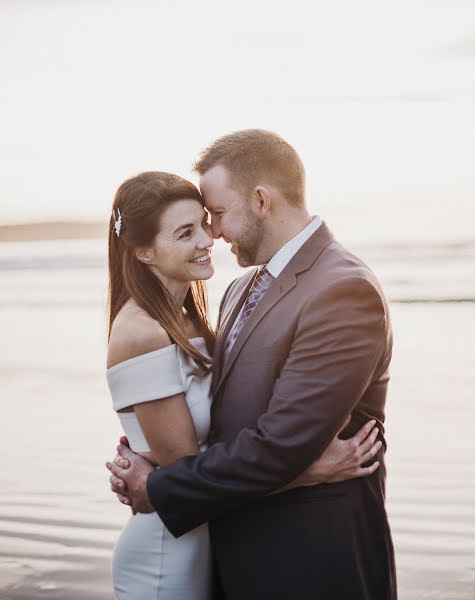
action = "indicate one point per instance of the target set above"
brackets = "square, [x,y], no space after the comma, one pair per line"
[250,242]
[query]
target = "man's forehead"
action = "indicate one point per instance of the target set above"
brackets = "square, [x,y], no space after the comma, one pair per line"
[214,180]
[207,196]
[219,199]
[212,195]
[212,205]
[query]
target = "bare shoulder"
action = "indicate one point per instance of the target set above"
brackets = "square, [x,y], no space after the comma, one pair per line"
[134,333]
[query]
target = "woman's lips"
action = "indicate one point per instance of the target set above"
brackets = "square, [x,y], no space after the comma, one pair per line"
[202,262]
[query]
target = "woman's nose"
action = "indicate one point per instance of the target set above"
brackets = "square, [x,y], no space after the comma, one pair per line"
[206,240]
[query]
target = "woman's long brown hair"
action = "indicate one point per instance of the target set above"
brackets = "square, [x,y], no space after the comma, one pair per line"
[141,201]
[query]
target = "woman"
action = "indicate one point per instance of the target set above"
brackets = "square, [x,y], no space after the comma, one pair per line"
[159,372]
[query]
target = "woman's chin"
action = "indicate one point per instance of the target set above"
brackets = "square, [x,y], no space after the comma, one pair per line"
[203,273]
[210,273]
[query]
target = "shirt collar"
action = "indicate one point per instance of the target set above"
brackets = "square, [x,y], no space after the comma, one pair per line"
[283,256]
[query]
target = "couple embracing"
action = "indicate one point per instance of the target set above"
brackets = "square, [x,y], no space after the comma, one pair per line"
[254,459]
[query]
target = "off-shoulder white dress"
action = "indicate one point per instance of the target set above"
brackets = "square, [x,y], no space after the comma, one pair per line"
[148,562]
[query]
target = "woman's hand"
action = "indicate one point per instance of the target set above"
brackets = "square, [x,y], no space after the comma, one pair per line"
[118,485]
[342,459]
[124,463]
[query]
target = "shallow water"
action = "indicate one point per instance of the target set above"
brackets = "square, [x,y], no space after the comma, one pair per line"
[58,520]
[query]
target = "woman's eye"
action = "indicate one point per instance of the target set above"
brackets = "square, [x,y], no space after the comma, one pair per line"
[185,234]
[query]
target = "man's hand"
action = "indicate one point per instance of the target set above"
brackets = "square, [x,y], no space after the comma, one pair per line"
[129,478]
[342,459]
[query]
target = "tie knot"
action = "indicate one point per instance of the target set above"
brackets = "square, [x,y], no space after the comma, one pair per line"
[262,280]
[263,271]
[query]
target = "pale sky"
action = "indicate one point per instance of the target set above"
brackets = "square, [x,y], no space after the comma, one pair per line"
[378,97]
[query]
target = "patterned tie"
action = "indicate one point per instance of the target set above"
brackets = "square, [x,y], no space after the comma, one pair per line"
[258,289]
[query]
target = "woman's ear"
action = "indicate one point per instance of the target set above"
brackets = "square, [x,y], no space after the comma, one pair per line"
[144,255]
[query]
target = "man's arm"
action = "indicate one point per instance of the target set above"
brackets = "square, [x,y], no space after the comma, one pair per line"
[337,349]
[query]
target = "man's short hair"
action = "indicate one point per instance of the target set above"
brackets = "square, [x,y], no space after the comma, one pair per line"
[256,156]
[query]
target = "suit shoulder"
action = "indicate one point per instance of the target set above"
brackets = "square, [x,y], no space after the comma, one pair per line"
[340,277]
[342,267]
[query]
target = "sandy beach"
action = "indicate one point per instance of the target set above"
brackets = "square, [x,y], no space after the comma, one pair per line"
[58,520]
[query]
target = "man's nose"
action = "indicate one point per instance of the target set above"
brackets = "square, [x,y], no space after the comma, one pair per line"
[215,229]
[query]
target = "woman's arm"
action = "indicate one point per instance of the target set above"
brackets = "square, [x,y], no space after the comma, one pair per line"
[168,428]
[342,459]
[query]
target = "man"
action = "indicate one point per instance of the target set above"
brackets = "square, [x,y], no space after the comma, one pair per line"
[301,345]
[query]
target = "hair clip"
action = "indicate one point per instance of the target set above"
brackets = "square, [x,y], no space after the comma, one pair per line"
[118,224]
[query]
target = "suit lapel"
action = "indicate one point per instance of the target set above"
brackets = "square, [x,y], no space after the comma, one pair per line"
[278,289]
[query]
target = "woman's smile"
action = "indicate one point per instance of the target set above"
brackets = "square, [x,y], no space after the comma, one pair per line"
[203,260]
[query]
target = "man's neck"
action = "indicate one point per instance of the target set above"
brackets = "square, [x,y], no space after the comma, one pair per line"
[285,228]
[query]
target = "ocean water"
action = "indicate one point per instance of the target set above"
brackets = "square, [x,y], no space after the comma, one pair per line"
[58,519]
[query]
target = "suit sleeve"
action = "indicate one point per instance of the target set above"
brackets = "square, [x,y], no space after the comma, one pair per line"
[339,345]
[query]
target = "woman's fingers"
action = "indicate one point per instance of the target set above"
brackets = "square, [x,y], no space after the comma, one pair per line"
[361,471]
[117,485]
[371,453]
[124,499]
[122,462]
[368,443]
[365,471]
[353,473]
[364,432]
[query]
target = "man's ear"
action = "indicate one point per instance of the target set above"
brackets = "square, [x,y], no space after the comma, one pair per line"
[261,200]
[144,255]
